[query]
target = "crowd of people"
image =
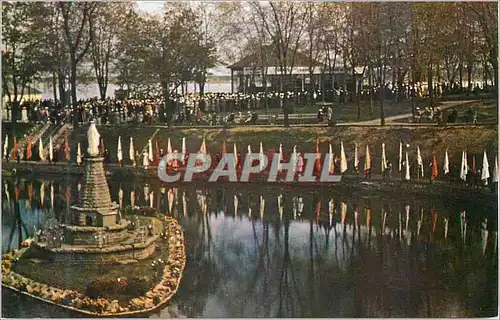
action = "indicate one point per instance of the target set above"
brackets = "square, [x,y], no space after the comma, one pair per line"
[210,108]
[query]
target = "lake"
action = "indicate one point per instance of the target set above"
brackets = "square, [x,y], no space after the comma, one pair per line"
[272,251]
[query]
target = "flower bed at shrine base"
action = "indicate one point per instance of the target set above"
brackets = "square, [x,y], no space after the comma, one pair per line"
[73,300]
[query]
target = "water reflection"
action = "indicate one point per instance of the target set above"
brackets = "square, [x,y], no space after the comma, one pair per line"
[273,252]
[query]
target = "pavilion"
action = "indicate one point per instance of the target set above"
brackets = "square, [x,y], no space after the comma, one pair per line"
[247,74]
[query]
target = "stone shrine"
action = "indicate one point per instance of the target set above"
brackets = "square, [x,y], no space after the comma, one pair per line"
[95,231]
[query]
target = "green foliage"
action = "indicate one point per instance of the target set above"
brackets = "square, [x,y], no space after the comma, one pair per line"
[173,41]
[138,286]
[24,55]
[105,285]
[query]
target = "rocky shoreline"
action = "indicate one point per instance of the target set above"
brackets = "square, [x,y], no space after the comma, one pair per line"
[73,300]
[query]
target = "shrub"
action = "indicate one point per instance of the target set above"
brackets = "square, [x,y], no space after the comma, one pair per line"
[138,286]
[105,285]
[146,211]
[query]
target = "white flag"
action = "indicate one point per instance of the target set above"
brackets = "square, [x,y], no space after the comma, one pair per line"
[384,160]
[356,160]
[463,167]
[51,149]
[407,173]
[78,154]
[51,195]
[184,151]
[120,197]
[119,154]
[420,162]
[294,159]
[146,192]
[235,153]
[446,166]
[169,147]
[368,159]
[235,204]
[261,157]
[6,145]
[262,206]
[249,149]
[343,160]
[150,150]
[400,155]
[131,151]
[280,158]
[40,150]
[495,170]
[485,172]
[203,148]
[331,164]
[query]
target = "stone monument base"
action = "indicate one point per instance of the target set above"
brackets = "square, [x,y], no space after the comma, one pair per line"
[79,235]
[69,254]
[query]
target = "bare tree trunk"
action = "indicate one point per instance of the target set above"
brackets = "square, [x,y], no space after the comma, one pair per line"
[166,103]
[62,89]
[54,85]
[264,83]
[370,80]
[382,81]
[430,84]
[284,101]
[469,75]
[460,73]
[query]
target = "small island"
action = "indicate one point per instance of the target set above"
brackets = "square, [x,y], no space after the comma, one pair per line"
[99,260]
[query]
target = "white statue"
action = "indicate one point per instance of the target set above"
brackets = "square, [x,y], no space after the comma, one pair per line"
[93,139]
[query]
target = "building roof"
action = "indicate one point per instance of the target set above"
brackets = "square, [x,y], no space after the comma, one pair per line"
[254,59]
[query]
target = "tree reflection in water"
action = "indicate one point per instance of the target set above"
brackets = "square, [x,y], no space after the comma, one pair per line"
[295,252]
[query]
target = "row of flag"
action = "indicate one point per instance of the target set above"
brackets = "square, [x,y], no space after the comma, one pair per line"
[403,163]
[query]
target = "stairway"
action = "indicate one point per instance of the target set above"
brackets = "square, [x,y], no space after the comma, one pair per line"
[58,137]
[33,137]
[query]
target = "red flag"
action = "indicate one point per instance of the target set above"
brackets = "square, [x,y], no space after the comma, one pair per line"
[223,148]
[158,201]
[318,210]
[434,168]
[317,163]
[13,153]
[157,153]
[28,151]
[68,194]
[30,192]
[434,220]
[66,148]
[102,146]
[16,193]
[368,217]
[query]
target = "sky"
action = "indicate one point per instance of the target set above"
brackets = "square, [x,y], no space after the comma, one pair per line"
[157,6]
[150,6]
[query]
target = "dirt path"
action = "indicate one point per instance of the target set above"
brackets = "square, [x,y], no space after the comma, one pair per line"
[392,120]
